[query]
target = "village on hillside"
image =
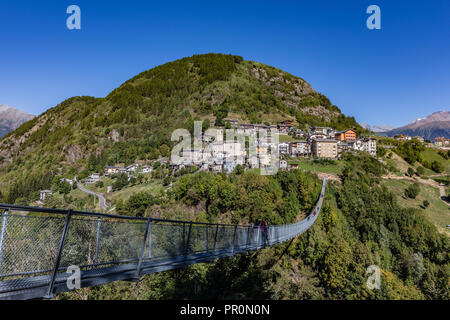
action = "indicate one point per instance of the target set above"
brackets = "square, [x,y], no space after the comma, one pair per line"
[220,155]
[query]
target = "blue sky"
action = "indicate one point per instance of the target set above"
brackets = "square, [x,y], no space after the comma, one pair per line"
[389,76]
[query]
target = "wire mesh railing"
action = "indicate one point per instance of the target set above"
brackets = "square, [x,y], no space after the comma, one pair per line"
[37,245]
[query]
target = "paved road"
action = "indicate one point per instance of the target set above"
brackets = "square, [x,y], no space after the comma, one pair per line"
[443,194]
[101,198]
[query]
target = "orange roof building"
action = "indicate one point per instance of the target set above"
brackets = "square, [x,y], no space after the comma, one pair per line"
[344,135]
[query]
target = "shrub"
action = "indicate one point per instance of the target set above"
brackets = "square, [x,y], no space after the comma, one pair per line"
[436,166]
[412,191]
[420,171]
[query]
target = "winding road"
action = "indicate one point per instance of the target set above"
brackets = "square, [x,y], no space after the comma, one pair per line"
[101,198]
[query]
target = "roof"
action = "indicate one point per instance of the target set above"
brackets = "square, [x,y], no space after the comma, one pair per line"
[326,140]
[345,131]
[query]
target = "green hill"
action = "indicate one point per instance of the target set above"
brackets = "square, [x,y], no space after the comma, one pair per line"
[134,122]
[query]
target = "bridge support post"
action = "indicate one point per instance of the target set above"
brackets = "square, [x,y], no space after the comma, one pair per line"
[58,257]
[141,256]
[215,237]
[248,238]
[150,240]
[3,235]
[207,242]
[234,240]
[97,240]
[186,247]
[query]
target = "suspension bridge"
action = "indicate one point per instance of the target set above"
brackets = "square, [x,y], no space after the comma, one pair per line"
[38,245]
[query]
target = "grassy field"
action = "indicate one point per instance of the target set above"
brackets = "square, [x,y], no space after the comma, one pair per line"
[310,165]
[286,138]
[400,165]
[431,155]
[438,212]
[153,187]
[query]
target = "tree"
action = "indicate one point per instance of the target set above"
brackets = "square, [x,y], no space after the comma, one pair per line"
[63,187]
[121,181]
[410,172]
[412,191]
[436,166]
[381,152]
[139,202]
[443,154]
[420,171]
[425,204]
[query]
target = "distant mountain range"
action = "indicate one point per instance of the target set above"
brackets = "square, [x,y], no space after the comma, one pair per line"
[435,125]
[376,128]
[11,119]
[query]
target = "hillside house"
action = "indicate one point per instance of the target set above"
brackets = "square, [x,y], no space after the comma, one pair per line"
[93,178]
[419,138]
[283,148]
[147,169]
[283,164]
[299,148]
[284,128]
[132,168]
[110,170]
[369,145]
[441,142]
[345,135]
[234,123]
[324,148]
[44,194]
[69,181]
[326,132]
[402,137]
[287,122]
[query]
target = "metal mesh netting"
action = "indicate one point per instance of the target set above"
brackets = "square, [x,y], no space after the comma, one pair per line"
[97,241]
[30,244]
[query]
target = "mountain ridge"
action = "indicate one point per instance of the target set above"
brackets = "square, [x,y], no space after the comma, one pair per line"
[11,118]
[434,125]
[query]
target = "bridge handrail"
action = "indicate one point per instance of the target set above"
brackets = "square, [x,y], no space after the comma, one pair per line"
[36,250]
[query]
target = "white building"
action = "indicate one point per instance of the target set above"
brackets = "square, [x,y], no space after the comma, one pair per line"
[253,161]
[67,180]
[228,166]
[283,148]
[45,194]
[147,169]
[299,148]
[369,145]
[132,168]
[93,178]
